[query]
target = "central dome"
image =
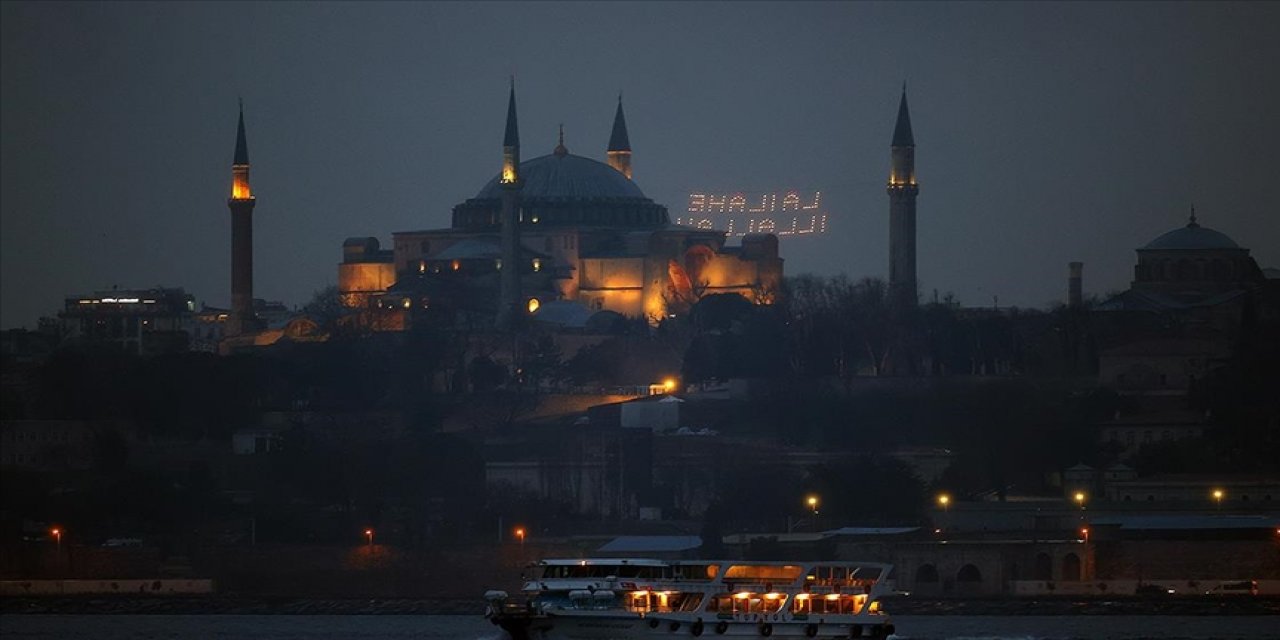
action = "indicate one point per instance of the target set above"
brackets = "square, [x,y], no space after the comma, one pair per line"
[1193,236]
[567,177]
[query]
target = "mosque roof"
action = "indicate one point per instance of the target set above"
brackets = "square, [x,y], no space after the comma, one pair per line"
[565,313]
[1192,236]
[469,249]
[567,177]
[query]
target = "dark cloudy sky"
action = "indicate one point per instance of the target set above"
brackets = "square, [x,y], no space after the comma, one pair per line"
[1046,132]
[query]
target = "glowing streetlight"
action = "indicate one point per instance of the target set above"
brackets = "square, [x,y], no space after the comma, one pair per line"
[1079,497]
[57,537]
[368,534]
[1218,495]
[668,385]
[520,535]
[812,501]
[944,501]
[1084,531]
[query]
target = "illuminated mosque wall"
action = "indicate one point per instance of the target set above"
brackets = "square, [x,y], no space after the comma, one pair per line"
[587,234]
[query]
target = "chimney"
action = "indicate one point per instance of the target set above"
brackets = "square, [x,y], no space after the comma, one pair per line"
[1075,274]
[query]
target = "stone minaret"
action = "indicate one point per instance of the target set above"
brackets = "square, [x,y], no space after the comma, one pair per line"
[902,211]
[241,204]
[509,280]
[619,152]
[1075,284]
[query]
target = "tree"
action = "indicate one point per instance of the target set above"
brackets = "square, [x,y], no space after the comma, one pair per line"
[325,306]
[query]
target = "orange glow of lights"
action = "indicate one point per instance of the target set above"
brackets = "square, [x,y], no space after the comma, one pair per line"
[669,385]
[833,596]
[456,264]
[772,596]
[240,183]
[1079,497]
[944,500]
[1218,493]
[520,533]
[533,305]
[802,596]
[742,595]
[639,594]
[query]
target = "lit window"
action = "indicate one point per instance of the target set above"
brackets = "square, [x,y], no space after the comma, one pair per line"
[537,264]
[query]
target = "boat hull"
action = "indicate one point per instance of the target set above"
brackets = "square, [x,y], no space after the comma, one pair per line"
[611,626]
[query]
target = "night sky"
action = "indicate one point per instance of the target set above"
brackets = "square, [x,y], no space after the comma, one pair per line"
[1045,133]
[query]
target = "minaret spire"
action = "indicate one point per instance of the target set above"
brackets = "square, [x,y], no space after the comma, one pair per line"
[241,204]
[242,147]
[619,152]
[509,297]
[511,140]
[1193,222]
[902,210]
[902,130]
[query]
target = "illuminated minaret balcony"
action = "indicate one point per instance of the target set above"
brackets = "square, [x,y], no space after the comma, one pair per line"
[240,182]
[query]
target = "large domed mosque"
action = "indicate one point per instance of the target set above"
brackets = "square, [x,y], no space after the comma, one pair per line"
[1198,274]
[560,234]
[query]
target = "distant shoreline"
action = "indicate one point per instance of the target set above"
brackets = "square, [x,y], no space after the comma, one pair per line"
[903,606]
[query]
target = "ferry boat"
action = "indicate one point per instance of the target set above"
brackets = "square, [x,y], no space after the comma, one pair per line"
[619,599]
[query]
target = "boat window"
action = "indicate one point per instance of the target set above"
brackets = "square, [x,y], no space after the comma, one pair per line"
[785,573]
[695,571]
[802,604]
[689,601]
[832,603]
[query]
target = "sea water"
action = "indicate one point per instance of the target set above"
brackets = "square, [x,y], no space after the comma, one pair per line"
[430,627]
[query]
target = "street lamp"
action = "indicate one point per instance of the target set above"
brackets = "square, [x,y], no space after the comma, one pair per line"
[1079,497]
[1085,532]
[812,501]
[944,501]
[1218,495]
[57,537]
[520,535]
[368,534]
[669,385]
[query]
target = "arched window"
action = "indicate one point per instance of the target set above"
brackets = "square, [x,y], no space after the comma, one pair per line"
[927,573]
[969,573]
[1071,567]
[1044,567]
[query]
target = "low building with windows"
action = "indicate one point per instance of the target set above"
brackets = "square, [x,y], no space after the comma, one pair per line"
[142,321]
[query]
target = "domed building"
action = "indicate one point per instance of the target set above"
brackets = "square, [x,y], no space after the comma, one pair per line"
[559,227]
[1197,278]
[1194,261]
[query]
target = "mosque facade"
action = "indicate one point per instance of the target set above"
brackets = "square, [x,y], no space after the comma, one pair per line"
[560,237]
